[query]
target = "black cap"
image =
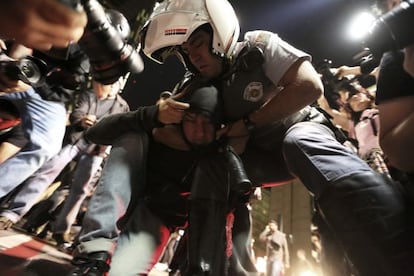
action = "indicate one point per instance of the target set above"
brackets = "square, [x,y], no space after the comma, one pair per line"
[204,99]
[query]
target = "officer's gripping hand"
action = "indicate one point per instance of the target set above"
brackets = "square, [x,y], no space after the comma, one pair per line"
[236,134]
[171,111]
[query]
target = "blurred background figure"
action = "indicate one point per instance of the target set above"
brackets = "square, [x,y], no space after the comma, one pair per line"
[303,266]
[277,251]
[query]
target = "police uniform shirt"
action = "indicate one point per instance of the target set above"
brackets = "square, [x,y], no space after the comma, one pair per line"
[246,91]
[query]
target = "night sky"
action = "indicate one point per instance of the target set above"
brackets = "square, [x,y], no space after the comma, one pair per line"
[315,26]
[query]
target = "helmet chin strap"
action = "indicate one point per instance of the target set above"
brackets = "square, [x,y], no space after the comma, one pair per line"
[225,61]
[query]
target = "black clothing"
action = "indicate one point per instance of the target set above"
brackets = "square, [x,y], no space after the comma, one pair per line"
[89,104]
[393,81]
[15,136]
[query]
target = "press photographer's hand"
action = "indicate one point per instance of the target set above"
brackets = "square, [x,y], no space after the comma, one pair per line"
[41,24]
[11,86]
[88,120]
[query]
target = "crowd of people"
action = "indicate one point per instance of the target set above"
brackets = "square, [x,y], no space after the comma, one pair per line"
[249,110]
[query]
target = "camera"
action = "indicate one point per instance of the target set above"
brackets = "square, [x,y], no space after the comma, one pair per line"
[29,69]
[391,31]
[103,53]
[105,42]
[333,84]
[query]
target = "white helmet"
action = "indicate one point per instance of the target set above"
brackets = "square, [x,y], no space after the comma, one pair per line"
[173,21]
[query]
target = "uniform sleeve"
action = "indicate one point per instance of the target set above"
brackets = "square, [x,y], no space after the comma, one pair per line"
[279,55]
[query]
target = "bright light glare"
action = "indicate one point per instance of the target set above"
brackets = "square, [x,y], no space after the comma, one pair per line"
[261,264]
[308,273]
[359,26]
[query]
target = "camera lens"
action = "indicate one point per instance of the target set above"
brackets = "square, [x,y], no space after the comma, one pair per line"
[104,43]
[392,31]
[30,72]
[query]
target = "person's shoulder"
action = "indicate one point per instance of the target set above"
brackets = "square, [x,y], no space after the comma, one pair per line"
[392,59]
[260,37]
[122,102]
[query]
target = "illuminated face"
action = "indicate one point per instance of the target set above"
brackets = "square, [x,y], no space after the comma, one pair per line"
[359,102]
[273,226]
[198,50]
[198,129]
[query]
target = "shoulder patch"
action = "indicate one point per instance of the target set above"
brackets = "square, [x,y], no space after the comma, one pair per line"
[253,92]
[262,38]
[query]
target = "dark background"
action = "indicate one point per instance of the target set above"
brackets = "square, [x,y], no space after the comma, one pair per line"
[315,26]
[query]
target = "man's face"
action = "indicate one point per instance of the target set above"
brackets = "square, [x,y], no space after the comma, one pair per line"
[103,91]
[198,50]
[359,102]
[198,129]
[273,226]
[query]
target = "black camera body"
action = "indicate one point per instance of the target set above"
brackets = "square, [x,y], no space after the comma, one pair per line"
[104,44]
[29,69]
[390,32]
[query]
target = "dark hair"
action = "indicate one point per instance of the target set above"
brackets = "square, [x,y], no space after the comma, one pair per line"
[204,99]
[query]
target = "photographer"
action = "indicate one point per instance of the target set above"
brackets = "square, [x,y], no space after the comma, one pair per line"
[104,40]
[8,85]
[43,122]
